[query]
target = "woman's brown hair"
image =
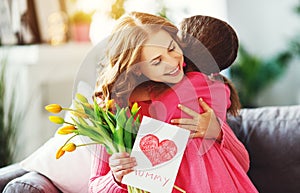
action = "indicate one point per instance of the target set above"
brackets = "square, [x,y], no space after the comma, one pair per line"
[117,79]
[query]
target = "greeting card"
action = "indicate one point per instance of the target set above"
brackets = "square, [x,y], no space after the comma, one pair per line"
[158,150]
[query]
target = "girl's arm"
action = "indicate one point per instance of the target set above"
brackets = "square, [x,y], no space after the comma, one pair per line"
[235,146]
[208,126]
[102,179]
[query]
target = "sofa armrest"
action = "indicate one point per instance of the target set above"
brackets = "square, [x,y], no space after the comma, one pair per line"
[31,182]
[15,179]
[9,173]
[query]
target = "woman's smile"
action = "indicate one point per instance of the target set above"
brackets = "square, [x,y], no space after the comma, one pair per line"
[174,72]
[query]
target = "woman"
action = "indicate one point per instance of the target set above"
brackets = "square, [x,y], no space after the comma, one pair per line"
[146,65]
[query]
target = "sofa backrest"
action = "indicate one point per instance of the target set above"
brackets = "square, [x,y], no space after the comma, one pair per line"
[272,138]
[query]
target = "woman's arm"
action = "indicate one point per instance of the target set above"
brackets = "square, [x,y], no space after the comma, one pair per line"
[102,179]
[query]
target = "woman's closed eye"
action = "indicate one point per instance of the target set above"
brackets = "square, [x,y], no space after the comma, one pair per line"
[172,47]
[155,62]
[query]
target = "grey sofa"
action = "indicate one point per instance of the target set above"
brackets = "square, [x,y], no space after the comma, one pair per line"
[271,135]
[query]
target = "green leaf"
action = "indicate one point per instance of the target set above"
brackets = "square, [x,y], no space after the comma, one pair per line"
[97,112]
[128,141]
[118,109]
[82,121]
[111,117]
[107,121]
[90,112]
[102,130]
[118,138]
[135,128]
[94,135]
[121,117]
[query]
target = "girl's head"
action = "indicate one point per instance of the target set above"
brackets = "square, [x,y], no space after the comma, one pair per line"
[217,45]
[213,39]
[128,55]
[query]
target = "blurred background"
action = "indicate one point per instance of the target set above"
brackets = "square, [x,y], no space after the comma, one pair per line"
[44,42]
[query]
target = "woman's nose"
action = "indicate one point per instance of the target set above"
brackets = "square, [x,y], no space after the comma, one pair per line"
[171,60]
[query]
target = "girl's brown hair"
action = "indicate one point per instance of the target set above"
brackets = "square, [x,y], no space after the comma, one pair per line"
[205,38]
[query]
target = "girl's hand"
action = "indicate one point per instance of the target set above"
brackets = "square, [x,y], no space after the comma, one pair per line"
[121,164]
[203,125]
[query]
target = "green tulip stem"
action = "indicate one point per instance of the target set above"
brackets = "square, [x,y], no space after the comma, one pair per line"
[69,123]
[72,110]
[86,144]
[69,139]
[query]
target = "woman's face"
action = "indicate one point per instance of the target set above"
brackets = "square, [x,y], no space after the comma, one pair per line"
[162,59]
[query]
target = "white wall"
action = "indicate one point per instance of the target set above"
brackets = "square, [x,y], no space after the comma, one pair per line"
[43,75]
[264,27]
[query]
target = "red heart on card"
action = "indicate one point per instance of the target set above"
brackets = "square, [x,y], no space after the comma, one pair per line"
[157,152]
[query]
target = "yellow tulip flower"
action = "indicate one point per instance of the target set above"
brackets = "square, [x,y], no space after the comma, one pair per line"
[56,119]
[67,129]
[109,104]
[53,108]
[81,98]
[69,147]
[60,153]
[135,108]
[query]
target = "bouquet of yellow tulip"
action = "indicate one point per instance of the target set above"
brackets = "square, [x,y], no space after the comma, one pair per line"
[117,132]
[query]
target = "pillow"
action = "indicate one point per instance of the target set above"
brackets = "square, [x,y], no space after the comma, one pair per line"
[71,172]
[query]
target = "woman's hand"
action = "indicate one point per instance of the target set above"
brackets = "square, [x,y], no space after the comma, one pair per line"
[203,125]
[121,164]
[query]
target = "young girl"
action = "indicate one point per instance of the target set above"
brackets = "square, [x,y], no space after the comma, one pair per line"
[145,64]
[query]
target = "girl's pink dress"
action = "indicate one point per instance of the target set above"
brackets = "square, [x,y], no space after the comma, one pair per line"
[207,166]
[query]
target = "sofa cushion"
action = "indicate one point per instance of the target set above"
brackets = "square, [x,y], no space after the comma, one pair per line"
[271,135]
[31,182]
